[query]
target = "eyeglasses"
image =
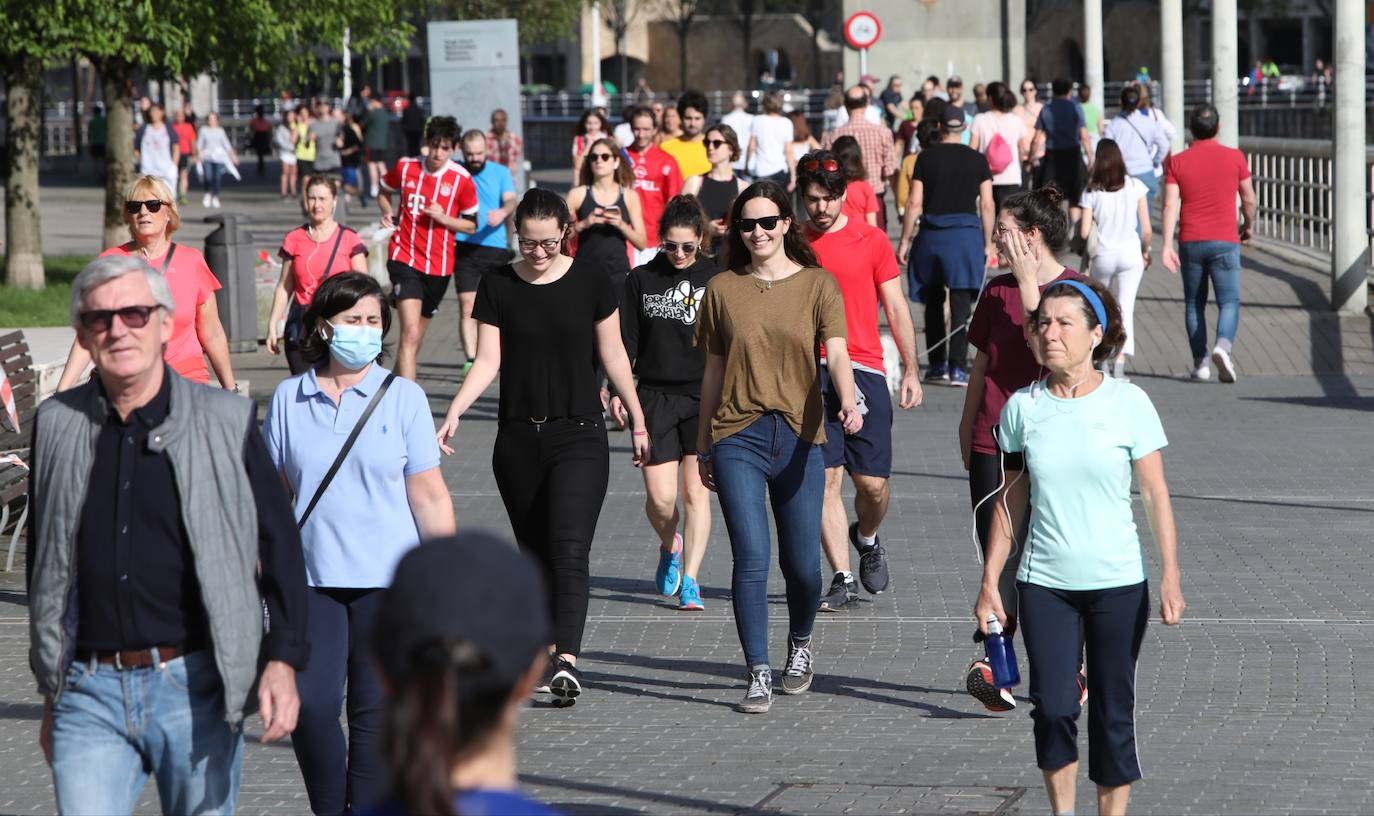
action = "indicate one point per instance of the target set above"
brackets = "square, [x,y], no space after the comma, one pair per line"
[100,320]
[812,165]
[673,247]
[715,143]
[549,245]
[598,157]
[153,205]
[747,225]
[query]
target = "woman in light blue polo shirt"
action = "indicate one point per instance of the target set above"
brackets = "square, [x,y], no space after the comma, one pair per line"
[386,497]
[1083,436]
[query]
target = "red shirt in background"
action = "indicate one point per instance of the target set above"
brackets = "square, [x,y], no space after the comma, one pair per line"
[419,242]
[996,330]
[1208,175]
[186,138]
[308,258]
[657,180]
[859,201]
[192,284]
[860,258]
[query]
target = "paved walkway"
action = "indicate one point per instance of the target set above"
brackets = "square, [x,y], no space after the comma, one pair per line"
[1259,702]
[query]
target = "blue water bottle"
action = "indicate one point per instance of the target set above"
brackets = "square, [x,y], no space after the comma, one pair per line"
[1001,656]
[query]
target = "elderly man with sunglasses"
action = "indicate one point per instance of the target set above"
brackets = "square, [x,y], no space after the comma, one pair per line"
[164,569]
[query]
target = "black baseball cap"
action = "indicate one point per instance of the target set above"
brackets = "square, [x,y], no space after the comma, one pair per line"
[475,587]
[954,82]
[953,119]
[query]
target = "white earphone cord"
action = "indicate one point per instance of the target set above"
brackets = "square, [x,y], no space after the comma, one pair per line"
[1006,509]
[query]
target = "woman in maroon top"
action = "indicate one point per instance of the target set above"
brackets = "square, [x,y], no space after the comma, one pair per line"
[1031,229]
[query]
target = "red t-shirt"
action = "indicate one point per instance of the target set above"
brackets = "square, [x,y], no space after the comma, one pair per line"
[996,330]
[418,241]
[308,258]
[1208,175]
[657,179]
[186,138]
[192,283]
[859,201]
[860,258]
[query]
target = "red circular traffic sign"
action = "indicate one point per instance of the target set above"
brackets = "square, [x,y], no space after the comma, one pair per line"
[862,29]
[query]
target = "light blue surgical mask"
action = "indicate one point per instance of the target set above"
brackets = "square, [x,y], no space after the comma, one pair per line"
[355,346]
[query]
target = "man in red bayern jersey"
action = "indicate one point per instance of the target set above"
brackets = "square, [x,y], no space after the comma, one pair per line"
[657,177]
[861,259]
[438,199]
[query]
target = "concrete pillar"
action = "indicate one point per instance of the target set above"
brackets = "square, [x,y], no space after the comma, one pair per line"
[1092,48]
[1225,71]
[1171,55]
[1350,241]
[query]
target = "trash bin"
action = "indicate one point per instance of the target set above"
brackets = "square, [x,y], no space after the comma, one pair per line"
[230,255]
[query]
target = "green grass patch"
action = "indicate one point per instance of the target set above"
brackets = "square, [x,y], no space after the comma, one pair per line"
[46,307]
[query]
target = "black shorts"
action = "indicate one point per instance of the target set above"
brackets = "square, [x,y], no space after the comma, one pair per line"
[473,261]
[408,283]
[672,421]
[868,452]
[1064,168]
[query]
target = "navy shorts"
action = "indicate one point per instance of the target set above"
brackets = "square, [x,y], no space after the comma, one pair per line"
[868,452]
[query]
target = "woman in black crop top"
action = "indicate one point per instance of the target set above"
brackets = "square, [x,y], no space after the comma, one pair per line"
[543,323]
[609,216]
[717,189]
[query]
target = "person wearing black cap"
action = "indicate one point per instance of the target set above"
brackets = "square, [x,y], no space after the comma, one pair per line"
[951,194]
[460,642]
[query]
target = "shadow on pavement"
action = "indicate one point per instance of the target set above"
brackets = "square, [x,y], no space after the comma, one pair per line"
[666,802]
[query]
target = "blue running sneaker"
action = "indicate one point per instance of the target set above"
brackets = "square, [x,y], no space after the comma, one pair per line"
[668,576]
[689,600]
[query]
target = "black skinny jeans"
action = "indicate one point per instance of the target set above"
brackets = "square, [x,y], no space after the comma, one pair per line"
[553,477]
[960,308]
[984,475]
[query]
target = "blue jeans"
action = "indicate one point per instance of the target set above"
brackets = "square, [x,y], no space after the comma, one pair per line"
[769,457]
[214,176]
[1151,182]
[1218,261]
[112,727]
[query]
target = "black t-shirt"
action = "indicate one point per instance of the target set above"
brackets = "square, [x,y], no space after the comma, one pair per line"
[548,339]
[660,320]
[951,173]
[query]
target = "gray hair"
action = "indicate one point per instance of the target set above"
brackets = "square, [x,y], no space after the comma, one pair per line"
[106,269]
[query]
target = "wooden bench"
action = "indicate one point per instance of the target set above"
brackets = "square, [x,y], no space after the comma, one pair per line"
[14,480]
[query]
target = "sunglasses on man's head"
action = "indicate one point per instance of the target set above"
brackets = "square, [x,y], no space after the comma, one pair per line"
[153,205]
[100,320]
[829,165]
[602,156]
[686,247]
[747,225]
[715,143]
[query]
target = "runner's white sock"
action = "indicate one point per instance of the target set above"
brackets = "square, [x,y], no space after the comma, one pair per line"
[867,541]
[848,576]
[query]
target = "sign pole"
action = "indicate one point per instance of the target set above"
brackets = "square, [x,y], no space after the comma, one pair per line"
[863,62]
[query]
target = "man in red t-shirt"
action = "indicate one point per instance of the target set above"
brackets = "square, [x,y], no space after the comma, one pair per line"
[438,199]
[861,260]
[657,177]
[1203,182]
[186,140]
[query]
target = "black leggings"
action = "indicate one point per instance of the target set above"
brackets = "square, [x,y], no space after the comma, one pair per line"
[984,475]
[1113,623]
[960,307]
[553,477]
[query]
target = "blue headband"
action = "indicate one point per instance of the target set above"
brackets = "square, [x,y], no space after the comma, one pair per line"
[1091,296]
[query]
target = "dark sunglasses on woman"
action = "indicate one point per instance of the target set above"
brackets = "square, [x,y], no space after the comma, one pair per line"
[686,247]
[747,225]
[132,207]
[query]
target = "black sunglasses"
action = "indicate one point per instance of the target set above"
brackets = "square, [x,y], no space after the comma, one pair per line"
[747,225]
[715,143]
[153,205]
[602,156]
[687,247]
[812,165]
[100,320]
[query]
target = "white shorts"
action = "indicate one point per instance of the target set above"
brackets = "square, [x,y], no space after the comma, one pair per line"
[287,159]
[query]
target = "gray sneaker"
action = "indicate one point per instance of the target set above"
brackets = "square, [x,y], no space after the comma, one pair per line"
[759,698]
[843,592]
[796,678]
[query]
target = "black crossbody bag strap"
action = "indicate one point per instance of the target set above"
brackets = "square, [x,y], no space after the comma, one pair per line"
[338,239]
[167,262]
[347,446]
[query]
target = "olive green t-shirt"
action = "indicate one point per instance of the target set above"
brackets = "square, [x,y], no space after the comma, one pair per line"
[769,337]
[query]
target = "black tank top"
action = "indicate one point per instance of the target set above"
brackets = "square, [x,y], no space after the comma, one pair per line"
[603,244]
[717,196]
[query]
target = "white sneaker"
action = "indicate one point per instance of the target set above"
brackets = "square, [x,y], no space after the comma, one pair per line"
[214,202]
[1226,370]
[205,202]
[1202,372]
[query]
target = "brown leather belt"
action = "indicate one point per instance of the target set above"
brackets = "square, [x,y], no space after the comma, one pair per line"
[131,658]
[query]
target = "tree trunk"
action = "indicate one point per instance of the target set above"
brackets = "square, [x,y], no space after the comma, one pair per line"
[115,82]
[817,80]
[23,220]
[682,33]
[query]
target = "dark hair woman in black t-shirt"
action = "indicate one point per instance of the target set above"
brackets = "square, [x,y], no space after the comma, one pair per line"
[543,323]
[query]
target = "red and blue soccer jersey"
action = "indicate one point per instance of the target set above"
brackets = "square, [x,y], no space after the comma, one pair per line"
[419,241]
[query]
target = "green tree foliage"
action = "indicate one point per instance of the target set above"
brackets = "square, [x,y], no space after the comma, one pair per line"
[539,21]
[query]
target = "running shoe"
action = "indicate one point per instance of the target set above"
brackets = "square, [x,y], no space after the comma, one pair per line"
[689,599]
[979,684]
[566,684]
[1226,370]
[759,698]
[796,678]
[872,562]
[668,576]
[1082,685]
[467,367]
[1201,371]
[205,201]
[937,373]
[958,377]
[843,592]
[549,671]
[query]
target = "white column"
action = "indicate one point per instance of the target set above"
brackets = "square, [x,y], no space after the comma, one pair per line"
[1092,50]
[1350,244]
[598,91]
[1225,71]
[347,68]
[1171,54]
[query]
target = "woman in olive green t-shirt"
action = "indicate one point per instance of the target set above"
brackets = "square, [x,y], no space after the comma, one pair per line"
[761,323]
